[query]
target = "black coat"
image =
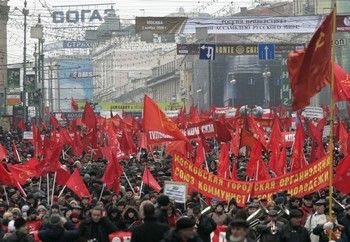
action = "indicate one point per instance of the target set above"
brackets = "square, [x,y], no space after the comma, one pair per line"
[17,237]
[294,234]
[56,233]
[99,231]
[150,231]
[345,221]
[161,215]
[173,236]
[205,227]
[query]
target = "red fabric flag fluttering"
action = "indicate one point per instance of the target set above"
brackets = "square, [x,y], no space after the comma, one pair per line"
[200,154]
[158,126]
[76,184]
[3,153]
[310,68]
[149,180]
[298,158]
[342,176]
[113,171]
[25,171]
[224,162]
[63,175]
[74,105]
[343,138]
[89,117]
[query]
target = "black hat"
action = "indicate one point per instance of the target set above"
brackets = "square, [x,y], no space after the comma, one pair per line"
[272,213]
[55,206]
[320,202]
[19,222]
[239,223]
[308,197]
[121,203]
[253,205]
[296,213]
[184,223]
[163,200]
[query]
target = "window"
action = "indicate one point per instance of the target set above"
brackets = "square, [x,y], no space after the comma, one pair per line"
[278,82]
[251,81]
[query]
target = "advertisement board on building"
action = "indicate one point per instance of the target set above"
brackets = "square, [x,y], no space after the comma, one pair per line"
[75,80]
[131,107]
[234,49]
[76,44]
[160,25]
[13,77]
[80,14]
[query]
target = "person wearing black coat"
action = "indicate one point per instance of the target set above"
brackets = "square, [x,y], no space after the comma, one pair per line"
[151,230]
[183,232]
[96,228]
[55,232]
[294,231]
[161,212]
[345,221]
[205,224]
[21,233]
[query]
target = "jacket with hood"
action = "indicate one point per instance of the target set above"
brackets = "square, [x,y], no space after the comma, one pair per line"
[56,233]
[128,223]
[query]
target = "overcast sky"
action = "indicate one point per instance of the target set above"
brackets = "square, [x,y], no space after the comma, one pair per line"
[127,9]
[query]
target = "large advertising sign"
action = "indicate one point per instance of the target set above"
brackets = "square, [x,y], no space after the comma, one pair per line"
[160,25]
[75,80]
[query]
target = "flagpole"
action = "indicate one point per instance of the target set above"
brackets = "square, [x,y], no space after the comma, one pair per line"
[48,188]
[53,187]
[127,179]
[61,192]
[331,141]
[102,190]
[6,195]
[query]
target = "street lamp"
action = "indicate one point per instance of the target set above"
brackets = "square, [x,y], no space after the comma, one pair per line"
[266,75]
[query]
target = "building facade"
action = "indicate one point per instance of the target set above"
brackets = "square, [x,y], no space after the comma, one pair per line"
[4,9]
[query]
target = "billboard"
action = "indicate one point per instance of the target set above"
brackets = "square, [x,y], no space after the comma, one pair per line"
[160,25]
[75,80]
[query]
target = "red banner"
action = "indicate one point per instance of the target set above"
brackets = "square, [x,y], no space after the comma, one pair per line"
[300,183]
[207,128]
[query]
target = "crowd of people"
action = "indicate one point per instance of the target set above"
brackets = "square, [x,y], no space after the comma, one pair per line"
[150,216]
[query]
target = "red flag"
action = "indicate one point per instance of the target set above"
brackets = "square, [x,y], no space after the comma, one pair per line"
[194,116]
[54,122]
[247,138]
[159,127]
[276,138]
[77,145]
[51,161]
[15,152]
[298,158]
[200,154]
[77,185]
[89,117]
[341,84]
[234,171]
[3,153]
[343,138]
[143,140]
[111,176]
[224,161]
[342,176]
[74,105]
[234,144]
[309,69]
[255,156]
[37,142]
[23,172]
[263,173]
[149,180]
[65,137]
[6,178]
[280,167]
[176,147]
[257,132]
[63,175]
[127,144]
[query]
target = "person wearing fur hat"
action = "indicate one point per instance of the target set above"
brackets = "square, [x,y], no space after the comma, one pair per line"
[54,231]
[184,231]
[21,233]
[238,231]
[130,218]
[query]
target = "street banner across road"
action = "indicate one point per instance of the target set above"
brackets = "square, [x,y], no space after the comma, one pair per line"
[299,183]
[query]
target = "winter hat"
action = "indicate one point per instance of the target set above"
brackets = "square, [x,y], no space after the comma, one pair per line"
[55,206]
[295,213]
[163,200]
[239,223]
[25,208]
[11,226]
[184,223]
[20,222]
[55,219]
[74,215]
[41,207]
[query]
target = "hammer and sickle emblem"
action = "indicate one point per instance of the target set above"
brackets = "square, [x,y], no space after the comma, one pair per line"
[320,41]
